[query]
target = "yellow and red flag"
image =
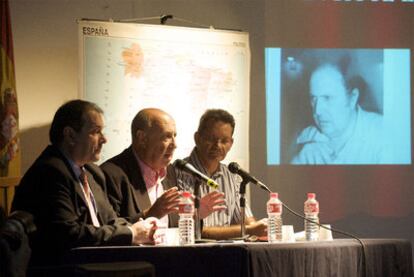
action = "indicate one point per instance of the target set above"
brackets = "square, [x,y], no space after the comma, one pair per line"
[9,117]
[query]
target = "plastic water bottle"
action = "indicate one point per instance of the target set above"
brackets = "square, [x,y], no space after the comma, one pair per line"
[274,218]
[311,209]
[186,220]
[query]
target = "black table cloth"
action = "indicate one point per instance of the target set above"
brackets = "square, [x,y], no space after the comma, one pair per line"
[340,257]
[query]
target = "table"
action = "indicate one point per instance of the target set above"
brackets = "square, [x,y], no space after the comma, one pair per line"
[340,257]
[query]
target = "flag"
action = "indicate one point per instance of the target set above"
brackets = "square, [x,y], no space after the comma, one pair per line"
[9,127]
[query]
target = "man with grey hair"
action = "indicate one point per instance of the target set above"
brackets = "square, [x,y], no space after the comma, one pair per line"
[136,186]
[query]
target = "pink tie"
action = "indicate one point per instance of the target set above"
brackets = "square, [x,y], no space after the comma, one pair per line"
[89,197]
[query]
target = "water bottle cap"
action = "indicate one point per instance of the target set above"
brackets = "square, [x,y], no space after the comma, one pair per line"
[274,195]
[311,195]
[186,194]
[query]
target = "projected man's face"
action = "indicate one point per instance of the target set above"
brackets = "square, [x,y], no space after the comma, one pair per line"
[332,105]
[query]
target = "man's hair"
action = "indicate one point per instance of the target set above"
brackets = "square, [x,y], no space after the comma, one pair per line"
[142,121]
[212,116]
[349,82]
[342,66]
[356,81]
[71,114]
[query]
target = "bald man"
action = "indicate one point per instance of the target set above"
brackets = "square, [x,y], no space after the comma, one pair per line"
[136,186]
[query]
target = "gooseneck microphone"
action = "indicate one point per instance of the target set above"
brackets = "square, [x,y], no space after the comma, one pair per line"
[185,166]
[236,169]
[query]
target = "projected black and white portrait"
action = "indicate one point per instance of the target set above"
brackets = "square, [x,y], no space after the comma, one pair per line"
[340,106]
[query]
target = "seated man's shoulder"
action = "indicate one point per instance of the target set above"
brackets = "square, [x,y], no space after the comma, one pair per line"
[109,167]
[170,179]
[115,174]
[50,167]
[171,171]
[49,162]
[96,171]
[119,171]
[115,165]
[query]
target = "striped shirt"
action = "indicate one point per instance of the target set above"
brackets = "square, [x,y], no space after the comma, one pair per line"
[228,183]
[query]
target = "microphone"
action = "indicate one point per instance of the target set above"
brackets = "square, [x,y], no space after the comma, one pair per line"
[183,165]
[236,169]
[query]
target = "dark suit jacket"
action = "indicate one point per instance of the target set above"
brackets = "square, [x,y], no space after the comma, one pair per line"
[52,193]
[126,187]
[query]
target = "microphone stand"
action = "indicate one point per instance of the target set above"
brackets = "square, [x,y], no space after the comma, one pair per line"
[197,210]
[243,206]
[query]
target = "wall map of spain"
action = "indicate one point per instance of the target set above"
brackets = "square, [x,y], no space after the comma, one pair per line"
[126,67]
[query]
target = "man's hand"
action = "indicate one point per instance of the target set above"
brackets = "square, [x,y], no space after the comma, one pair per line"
[167,203]
[143,231]
[257,228]
[314,153]
[211,202]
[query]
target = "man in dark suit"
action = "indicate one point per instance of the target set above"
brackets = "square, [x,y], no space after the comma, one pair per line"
[135,177]
[63,190]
